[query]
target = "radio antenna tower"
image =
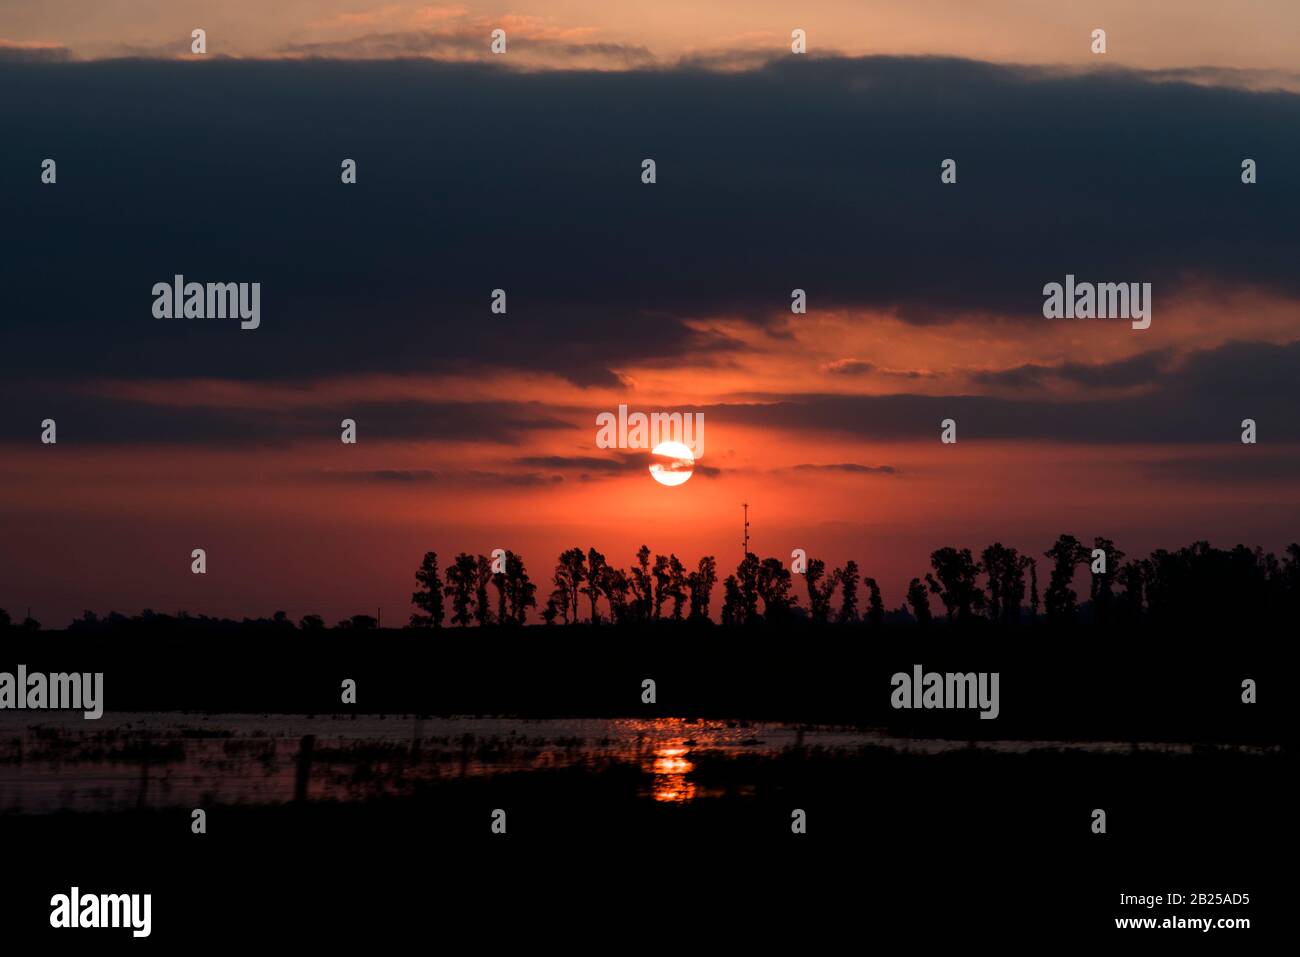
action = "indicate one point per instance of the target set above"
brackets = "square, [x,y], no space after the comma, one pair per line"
[745,506]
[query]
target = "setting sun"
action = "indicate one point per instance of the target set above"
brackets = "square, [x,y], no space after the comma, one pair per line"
[673,463]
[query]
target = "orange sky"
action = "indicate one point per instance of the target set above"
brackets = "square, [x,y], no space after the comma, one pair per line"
[1156,34]
[304,528]
[306,524]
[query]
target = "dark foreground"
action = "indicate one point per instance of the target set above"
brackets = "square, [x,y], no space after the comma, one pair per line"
[1084,684]
[921,850]
[923,845]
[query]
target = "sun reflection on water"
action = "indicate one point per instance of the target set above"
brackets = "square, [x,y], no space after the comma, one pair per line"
[670,768]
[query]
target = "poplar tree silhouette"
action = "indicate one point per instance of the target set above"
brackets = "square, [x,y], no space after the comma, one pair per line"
[595,585]
[732,611]
[660,574]
[570,574]
[429,598]
[499,583]
[642,587]
[1005,569]
[520,591]
[615,585]
[819,596]
[747,579]
[774,583]
[1062,606]
[956,587]
[462,577]
[676,585]
[701,582]
[849,593]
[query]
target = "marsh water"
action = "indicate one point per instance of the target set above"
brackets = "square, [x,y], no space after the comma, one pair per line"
[124,761]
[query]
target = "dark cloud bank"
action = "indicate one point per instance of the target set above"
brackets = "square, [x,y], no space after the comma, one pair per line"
[817,173]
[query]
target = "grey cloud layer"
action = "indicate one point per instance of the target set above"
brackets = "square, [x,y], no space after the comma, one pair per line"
[1200,398]
[88,419]
[817,173]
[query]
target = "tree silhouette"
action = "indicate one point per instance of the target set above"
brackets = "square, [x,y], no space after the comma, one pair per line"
[875,606]
[701,582]
[747,578]
[429,598]
[642,587]
[520,590]
[502,587]
[1005,569]
[557,605]
[819,595]
[733,612]
[993,558]
[661,577]
[1103,598]
[615,584]
[1061,599]
[849,593]
[956,587]
[676,585]
[570,573]
[774,583]
[919,599]
[595,585]
[462,578]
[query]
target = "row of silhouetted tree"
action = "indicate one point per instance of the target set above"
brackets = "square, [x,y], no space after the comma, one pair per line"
[1001,585]
[650,591]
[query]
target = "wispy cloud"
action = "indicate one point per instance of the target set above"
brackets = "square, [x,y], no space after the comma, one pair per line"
[851,467]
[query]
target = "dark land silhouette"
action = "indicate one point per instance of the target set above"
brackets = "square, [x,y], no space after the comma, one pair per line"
[1160,657]
[962,843]
[996,840]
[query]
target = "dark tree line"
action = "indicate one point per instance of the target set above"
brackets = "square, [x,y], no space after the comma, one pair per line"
[651,591]
[1184,586]
[1000,585]
[28,624]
